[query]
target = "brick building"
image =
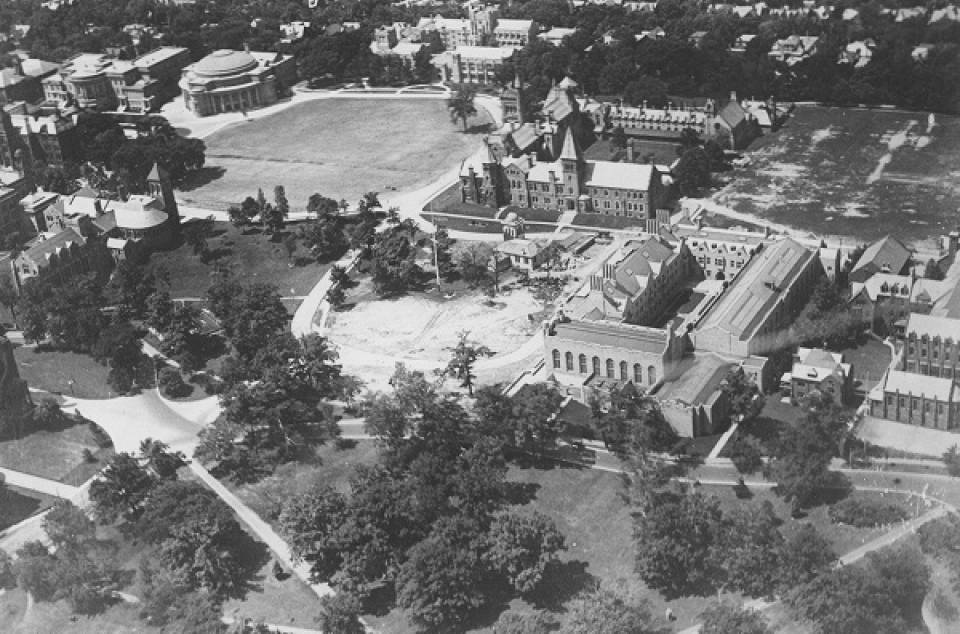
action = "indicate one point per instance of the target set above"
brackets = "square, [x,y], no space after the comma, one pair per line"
[932,346]
[915,399]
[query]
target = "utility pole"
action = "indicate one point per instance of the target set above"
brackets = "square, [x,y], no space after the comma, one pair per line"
[436,260]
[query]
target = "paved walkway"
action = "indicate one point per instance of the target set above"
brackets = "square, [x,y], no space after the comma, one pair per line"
[37,483]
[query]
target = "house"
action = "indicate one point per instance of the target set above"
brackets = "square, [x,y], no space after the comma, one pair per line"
[915,399]
[742,42]
[522,253]
[921,52]
[887,255]
[754,314]
[293,31]
[697,37]
[849,15]
[818,370]
[949,13]
[555,35]
[857,53]
[794,49]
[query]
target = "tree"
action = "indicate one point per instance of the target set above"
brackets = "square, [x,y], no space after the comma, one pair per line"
[464,356]
[634,425]
[607,611]
[692,172]
[443,256]
[290,246]
[310,524]
[8,296]
[325,238]
[521,547]
[746,454]
[68,527]
[473,262]
[252,317]
[119,345]
[725,617]
[134,284]
[159,311]
[932,270]
[803,555]
[747,549]
[48,414]
[321,205]
[461,105]
[530,623]
[182,340]
[8,575]
[951,458]
[198,537]
[121,489]
[159,460]
[196,234]
[341,613]
[394,262]
[743,395]
[674,539]
[618,138]
[441,583]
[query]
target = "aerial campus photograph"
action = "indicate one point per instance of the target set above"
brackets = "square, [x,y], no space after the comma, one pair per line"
[479,316]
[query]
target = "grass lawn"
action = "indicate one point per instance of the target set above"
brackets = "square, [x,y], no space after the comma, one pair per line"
[870,360]
[338,147]
[608,222]
[252,256]
[332,467]
[287,602]
[863,173]
[53,370]
[19,504]
[448,201]
[57,617]
[55,455]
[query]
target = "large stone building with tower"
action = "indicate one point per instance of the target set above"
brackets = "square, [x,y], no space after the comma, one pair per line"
[236,81]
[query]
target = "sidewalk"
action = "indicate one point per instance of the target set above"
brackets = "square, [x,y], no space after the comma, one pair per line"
[36,483]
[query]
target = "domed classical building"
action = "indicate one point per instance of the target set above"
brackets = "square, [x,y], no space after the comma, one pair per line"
[236,81]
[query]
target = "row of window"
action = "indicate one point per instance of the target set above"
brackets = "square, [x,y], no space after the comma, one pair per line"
[935,352]
[915,404]
[926,370]
[610,366]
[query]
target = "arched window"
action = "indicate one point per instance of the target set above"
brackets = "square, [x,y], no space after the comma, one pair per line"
[596,365]
[637,374]
[610,371]
[651,374]
[623,371]
[556,359]
[569,359]
[583,364]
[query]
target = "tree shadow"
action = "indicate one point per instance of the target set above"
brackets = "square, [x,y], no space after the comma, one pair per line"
[479,128]
[520,493]
[562,580]
[253,555]
[201,177]
[381,600]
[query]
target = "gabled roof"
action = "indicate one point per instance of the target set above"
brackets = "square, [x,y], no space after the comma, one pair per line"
[908,383]
[635,176]
[733,114]
[614,335]
[520,247]
[41,252]
[570,150]
[887,252]
[933,326]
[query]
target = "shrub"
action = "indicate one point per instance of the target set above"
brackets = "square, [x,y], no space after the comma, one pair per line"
[172,384]
[866,513]
[88,455]
[99,436]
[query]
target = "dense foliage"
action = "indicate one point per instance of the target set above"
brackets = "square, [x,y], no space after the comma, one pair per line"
[867,512]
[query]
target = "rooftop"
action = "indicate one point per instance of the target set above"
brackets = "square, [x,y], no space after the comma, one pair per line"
[934,326]
[757,288]
[698,378]
[919,385]
[635,176]
[42,249]
[885,255]
[158,55]
[484,52]
[614,335]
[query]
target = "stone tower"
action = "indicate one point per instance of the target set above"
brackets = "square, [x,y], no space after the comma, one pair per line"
[160,187]
[14,396]
[571,165]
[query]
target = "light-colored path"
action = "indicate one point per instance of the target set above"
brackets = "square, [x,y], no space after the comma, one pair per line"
[36,483]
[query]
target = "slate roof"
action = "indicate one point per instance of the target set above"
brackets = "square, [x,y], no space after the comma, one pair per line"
[934,326]
[634,176]
[699,377]
[40,252]
[885,252]
[919,385]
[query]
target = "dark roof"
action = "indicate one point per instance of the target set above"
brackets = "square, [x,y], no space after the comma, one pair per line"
[699,377]
[887,252]
[40,252]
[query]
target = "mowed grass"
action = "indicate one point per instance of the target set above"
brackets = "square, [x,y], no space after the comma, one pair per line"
[55,455]
[52,371]
[815,174]
[287,601]
[251,255]
[869,359]
[19,504]
[16,618]
[338,147]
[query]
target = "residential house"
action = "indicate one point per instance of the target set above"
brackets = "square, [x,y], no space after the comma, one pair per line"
[794,49]
[818,370]
[293,31]
[742,42]
[949,13]
[857,53]
[555,35]
[921,52]
[523,254]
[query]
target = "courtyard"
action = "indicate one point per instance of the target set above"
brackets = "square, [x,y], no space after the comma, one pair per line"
[338,147]
[854,172]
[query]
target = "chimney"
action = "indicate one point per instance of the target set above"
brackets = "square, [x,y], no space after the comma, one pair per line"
[953,242]
[629,151]
[733,95]
[553,176]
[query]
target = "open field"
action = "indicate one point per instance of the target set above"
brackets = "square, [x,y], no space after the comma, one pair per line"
[338,147]
[52,371]
[252,256]
[55,455]
[21,618]
[851,172]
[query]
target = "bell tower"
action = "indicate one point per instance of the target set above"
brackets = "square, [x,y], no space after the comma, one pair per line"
[160,187]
